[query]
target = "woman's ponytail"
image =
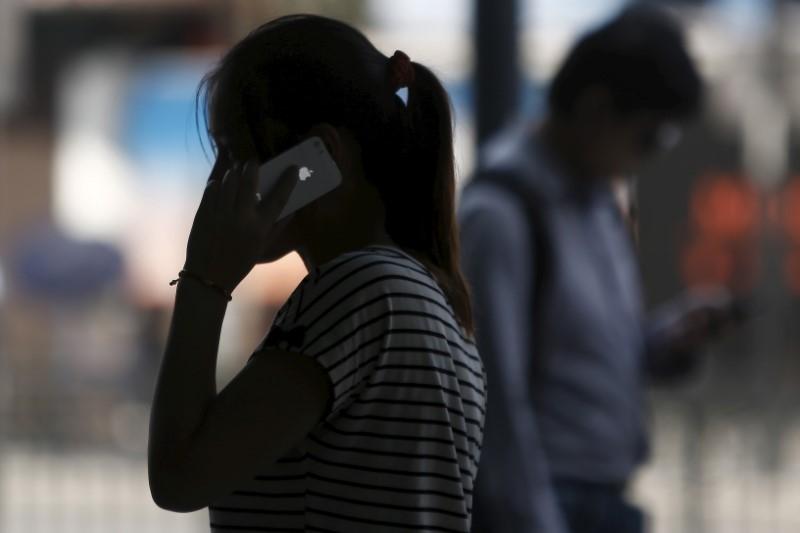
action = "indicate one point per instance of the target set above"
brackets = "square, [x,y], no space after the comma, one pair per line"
[421,210]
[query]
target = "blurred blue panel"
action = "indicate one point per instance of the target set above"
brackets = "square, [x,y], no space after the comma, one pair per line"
[51,265]
[160,129]
[462,95]
[164,137]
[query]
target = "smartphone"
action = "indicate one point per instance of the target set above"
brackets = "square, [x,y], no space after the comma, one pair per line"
[317,174]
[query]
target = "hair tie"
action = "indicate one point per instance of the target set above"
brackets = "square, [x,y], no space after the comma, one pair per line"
[401,71]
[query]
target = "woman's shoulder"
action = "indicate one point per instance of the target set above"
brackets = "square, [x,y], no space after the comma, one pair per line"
[376,276]
[376,263]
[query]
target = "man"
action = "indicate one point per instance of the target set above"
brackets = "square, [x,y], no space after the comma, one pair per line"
[559,315]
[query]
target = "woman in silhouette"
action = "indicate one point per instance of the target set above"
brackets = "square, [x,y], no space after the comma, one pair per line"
[363,408]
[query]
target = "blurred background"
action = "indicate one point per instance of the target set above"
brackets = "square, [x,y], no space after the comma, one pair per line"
[102,164]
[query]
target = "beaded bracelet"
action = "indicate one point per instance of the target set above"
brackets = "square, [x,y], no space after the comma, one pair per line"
[208,283]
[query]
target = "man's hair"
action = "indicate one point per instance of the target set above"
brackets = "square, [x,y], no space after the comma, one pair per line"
[640,58]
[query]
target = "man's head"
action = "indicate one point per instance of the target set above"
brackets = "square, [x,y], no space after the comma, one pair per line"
[624,89]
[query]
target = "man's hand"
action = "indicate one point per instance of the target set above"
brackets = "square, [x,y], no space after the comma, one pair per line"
[704,315]
[679,329]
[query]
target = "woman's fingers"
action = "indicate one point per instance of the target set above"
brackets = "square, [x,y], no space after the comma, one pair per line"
[273,203]
[228,189]
[246,196]
[221,165]
[210,198]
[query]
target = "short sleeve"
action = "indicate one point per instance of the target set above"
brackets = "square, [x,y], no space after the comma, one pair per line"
[347,316]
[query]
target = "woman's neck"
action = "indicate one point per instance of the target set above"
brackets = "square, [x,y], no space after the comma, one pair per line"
[358,221]
[321,251]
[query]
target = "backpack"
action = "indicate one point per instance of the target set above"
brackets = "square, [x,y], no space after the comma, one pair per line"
[513,178]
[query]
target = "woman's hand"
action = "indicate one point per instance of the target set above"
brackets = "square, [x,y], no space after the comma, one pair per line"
[233,223]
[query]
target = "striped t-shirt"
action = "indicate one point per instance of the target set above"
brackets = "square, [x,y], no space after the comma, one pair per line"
[399,448]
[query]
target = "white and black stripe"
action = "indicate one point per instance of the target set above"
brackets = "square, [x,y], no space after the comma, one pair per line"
[399,449]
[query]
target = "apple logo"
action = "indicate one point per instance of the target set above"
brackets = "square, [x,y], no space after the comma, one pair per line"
[305,173]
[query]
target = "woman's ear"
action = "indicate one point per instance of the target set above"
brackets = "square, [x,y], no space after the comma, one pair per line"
[332,139]
[343,147]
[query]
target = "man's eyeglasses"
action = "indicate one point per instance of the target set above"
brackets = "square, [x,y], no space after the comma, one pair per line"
[661,137]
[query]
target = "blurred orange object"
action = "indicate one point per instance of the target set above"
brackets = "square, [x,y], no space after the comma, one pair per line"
[725,207]
[724,222]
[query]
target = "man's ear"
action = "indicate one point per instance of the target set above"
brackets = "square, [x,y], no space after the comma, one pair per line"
[332,139]
[594,105]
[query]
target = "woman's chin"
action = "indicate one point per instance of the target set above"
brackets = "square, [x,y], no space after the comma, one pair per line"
[274,251]
[271,256]
[279,242]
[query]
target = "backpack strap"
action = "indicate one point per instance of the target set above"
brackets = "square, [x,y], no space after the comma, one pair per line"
[514,181]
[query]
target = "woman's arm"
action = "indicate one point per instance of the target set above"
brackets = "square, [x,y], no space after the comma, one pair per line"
[203,444]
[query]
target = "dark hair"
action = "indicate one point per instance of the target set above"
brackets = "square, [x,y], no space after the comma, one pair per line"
[640,57]
[301,70]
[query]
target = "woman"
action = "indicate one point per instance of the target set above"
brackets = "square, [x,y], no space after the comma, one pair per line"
[363,408]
